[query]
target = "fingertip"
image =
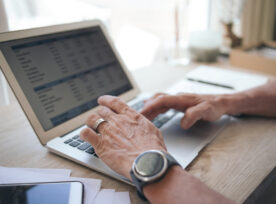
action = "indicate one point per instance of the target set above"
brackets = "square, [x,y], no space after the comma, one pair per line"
[184,123]
[84,133]
[89,135]
[101,99]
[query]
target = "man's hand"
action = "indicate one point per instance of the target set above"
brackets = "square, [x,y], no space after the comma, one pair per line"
[195,107]
[123,137]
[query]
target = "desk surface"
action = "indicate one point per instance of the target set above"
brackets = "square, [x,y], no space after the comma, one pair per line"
[233,164]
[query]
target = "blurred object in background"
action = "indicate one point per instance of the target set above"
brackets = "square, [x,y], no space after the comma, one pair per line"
[4,97]
[204,46]
[230,11]
[163,26]
[137,53]
[37,13]
[258,22]
[3,18]
[253,21]
[261,58]
[189,16]
[167,22]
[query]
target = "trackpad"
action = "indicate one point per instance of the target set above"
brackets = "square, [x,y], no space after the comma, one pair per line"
[184,145]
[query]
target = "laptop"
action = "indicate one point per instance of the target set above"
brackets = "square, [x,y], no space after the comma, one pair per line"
[58,72]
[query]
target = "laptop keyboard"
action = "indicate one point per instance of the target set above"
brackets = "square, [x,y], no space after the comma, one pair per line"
[159,121]
[81,145]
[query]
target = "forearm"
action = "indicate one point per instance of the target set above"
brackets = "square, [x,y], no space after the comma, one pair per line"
[180,187]
[258,101]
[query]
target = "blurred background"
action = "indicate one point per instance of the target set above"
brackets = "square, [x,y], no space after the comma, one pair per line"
[166,28]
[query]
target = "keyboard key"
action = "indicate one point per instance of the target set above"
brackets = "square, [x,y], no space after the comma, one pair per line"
[74,144]
[157,124]
[79,140]
[68,141]
[76,137]
[84,146]
[90,150]
[138,106]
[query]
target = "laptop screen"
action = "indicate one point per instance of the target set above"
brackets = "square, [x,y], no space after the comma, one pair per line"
[63,74]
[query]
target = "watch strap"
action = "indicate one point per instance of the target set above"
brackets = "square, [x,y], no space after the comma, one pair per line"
[140,184]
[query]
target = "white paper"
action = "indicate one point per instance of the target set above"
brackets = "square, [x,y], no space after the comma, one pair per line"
[185,86]
[105,196]
[239,80]
[14,175]
[91,188]
[63,172]
[121,198]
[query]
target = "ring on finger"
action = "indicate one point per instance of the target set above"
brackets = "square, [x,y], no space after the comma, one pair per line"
[97,124]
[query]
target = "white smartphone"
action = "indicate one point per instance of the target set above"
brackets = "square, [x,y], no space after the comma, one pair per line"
[42,193]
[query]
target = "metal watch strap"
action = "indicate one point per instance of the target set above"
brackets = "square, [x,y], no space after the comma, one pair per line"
[140,184]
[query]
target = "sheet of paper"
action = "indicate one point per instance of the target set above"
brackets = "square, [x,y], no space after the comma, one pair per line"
[14,175]
[185,86]
[239,80]
[105,196]
[91,188]
[121,198]
[63,172]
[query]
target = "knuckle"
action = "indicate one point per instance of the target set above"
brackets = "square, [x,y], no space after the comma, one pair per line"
[91,118]
[124,108]
[161,99]
[103,111]
[137,116]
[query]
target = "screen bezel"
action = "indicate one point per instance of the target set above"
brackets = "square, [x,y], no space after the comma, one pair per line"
[46,135]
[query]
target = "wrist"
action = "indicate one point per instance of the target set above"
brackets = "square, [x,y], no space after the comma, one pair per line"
[154,190]
[234,104]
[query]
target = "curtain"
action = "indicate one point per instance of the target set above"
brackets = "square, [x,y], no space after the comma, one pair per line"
[258,21]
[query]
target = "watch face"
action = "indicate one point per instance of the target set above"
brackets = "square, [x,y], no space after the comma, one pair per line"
[150,164]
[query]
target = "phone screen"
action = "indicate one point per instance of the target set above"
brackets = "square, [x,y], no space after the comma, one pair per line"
[42,193]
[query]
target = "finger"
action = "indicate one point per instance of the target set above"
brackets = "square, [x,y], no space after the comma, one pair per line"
[161,103]
[153,97]
[115,104]
[91,121]
[90,136]
[192,115]
[152,115]
[105,113]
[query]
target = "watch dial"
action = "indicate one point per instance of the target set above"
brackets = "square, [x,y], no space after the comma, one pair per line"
[149,164]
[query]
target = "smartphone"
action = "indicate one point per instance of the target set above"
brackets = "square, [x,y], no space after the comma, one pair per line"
[42,193]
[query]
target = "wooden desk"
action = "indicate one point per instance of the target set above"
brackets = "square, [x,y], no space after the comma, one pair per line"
[233,164]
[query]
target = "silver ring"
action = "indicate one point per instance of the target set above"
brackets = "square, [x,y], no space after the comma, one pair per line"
[97,124]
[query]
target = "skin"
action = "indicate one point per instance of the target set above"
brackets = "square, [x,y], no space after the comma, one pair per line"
[128,133]
[258,101]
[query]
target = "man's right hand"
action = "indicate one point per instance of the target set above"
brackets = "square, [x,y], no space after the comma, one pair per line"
[196,107]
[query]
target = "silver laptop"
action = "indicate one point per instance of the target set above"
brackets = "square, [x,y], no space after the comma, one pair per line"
[58,72]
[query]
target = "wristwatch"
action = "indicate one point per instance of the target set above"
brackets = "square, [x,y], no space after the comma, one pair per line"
[150,167]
